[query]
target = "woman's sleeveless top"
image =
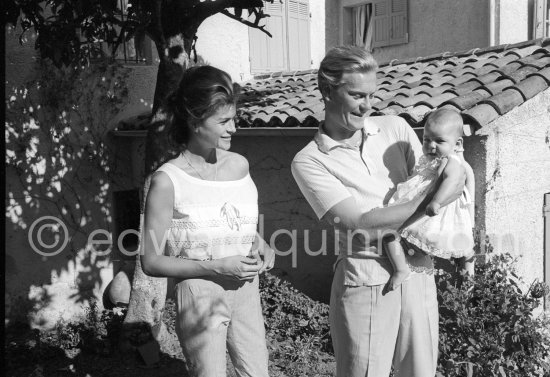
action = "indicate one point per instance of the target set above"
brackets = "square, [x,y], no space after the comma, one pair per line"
[211,219]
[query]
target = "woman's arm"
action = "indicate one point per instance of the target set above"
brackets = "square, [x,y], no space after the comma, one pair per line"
[158,216]
[453,176]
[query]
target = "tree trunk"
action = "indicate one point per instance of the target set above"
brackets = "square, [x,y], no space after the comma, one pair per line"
[148,294]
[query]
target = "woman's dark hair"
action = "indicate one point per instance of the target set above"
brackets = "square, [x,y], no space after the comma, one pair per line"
[201,92]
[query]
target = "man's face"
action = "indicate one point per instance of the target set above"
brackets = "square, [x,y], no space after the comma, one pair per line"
[347,104]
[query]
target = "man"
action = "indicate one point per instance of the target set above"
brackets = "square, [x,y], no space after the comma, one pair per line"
[347,174]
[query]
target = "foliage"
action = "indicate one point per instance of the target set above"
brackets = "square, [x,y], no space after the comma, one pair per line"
[487,326]
[96,333]
[297,330]
[70,31]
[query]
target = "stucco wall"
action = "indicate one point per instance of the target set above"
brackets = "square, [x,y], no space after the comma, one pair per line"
[436,26]
[287,217]
[57,287]
[223,43]
[317,28]
[517,177]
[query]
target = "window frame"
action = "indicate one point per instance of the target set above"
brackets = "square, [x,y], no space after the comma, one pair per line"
[389,17]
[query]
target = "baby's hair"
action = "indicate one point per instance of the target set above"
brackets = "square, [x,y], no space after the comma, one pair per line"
[446,117]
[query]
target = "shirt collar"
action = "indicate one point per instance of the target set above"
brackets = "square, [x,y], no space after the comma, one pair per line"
[325,143]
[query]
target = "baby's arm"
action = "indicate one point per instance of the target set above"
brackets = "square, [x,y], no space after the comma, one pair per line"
[453,175]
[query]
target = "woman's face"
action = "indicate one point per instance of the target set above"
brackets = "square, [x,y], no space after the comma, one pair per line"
[346,106]
[216,130]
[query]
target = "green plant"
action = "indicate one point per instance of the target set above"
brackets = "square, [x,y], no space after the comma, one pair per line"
[97,332]
[297,329]
[487,326]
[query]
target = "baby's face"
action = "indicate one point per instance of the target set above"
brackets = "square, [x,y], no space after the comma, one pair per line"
[440,140]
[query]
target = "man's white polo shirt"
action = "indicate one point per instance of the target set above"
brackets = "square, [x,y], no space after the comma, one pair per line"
[328,171]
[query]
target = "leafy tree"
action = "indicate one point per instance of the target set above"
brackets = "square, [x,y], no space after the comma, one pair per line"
[68,32]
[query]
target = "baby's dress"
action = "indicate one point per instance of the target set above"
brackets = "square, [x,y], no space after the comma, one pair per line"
[449,233]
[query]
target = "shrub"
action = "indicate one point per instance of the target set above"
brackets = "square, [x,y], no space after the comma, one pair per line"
[487,327]
[297,330]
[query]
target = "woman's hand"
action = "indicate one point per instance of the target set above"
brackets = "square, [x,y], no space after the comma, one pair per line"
[266,258]
[237,267]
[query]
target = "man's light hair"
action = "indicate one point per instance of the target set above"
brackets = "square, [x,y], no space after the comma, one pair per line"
[340,60]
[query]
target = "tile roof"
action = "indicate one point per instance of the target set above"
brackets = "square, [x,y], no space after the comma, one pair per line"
[482,84]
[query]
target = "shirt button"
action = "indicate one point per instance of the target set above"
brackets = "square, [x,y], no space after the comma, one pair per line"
[410,252]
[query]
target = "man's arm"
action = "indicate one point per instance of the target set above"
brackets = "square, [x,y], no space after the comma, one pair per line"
[346,215]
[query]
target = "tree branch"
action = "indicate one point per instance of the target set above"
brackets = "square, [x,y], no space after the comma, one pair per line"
[248,23]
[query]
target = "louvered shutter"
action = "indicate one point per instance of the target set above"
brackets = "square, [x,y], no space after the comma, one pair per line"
[298,35]
[381,23]
[398,22]
[390,23]
[269,54]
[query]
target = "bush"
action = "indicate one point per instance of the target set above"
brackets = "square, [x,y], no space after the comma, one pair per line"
[487,327]
[297,330]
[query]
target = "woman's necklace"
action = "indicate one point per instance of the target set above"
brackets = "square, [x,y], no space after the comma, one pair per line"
[196,171]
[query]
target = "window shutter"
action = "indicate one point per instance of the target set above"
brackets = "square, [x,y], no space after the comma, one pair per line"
[390,23]
[269,54]
[381,23]
[298,35]
[398,22]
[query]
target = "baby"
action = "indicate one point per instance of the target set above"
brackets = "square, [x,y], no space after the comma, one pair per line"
[445,231]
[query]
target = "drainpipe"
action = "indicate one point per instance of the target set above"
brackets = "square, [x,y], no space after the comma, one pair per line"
[492,17]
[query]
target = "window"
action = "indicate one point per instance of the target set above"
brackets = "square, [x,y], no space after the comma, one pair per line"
[289,48]
[541,19]
[378,23]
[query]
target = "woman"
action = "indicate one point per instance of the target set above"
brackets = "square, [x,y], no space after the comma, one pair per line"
[201,215]
[347,174]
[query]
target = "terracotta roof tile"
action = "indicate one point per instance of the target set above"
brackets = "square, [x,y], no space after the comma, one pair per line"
[462,77]
[505,101]
[480,83]
[465,88]
[521,74]
[488,77]
[468,100]
[544,73]
[409,101]
[497,86]
[530,86]
[481,115]
[437,100]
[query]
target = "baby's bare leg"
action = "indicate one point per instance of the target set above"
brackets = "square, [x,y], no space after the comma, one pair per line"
[401,270]
[467,266]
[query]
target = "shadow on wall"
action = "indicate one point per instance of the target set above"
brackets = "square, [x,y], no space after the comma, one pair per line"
[59,179]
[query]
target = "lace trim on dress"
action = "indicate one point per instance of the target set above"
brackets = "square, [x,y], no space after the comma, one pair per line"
[214,242]
[431,250]
[421,269]
[214,223]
